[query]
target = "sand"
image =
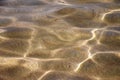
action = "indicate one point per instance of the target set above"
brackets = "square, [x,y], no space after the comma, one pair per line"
[59,39]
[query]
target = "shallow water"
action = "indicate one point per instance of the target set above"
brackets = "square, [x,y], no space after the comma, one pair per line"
[59,40]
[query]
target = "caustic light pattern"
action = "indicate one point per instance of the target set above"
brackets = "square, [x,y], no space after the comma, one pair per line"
[59,39]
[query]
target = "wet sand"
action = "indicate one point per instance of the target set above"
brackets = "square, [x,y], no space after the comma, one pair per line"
[59,39]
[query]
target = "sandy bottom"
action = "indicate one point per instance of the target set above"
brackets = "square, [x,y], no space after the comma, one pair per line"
[59,39]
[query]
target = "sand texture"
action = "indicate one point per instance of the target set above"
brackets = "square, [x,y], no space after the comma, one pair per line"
[59,39]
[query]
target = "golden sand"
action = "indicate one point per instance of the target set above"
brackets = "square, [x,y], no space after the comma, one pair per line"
[59,39]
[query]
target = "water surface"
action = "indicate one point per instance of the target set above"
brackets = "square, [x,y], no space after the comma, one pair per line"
[59,40]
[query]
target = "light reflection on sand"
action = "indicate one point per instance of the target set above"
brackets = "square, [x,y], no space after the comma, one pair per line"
[59,40]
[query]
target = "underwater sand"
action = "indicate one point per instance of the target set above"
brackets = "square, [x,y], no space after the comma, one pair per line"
[59,39]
